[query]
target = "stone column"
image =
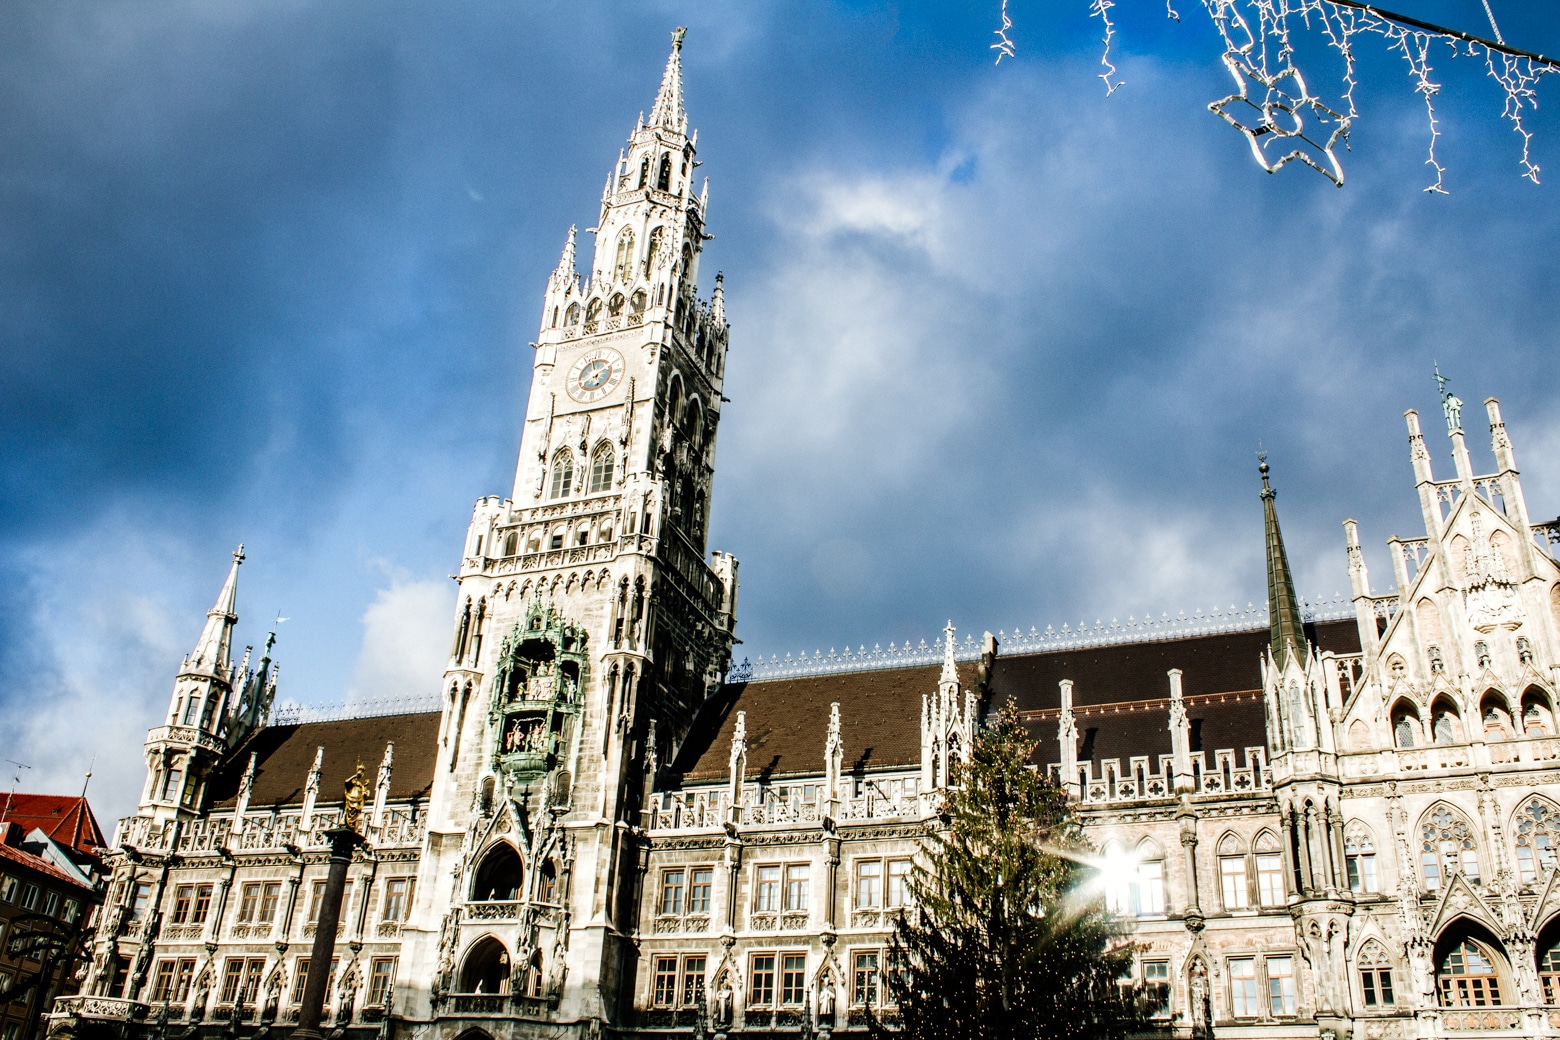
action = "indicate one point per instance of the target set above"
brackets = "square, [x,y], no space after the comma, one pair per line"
[342,841]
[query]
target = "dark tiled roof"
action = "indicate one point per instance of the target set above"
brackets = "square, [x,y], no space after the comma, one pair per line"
[1120,695]
[787,720]
[66,818]
[285,754]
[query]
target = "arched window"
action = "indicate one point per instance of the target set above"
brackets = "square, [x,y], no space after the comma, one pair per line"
[1116,876]
[636,302]
[562,475]
[663,174]
[1547,952]
[1359,853]
[1446,724]
[1496,716]
[624,267]
[1269,857]
[601,468]
[1466,975]
[498,877]
[593,309]
[615,305]
[533,976]
[1537,718]
[1376,976]
[1405,724]
[485,803]
[653,248]
[511,543]
[1232,872]
[1150,879]
[547,883]
[486,968]
[1538,834]
[1447,847]
[572,315]
[644,171]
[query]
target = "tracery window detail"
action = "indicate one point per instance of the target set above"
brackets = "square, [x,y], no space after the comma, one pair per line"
[562,475]
[601,468]
[1538,828]
[1467,977]
[1447,848]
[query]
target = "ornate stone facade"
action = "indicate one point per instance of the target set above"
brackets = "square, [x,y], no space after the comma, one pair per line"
[1320,821]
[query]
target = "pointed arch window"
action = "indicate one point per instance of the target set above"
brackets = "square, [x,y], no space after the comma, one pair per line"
[1232,873]
[1538,834]
[644,171]
[653,248]
[1447,847]
[1467,977]
[562,475]
[601,469]
[1359,853]
[624,266]
[663,174]
[1376,976]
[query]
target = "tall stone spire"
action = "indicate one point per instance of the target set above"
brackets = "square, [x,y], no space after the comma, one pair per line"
[565,272]
[1286,625]
[668,108]
[213,653]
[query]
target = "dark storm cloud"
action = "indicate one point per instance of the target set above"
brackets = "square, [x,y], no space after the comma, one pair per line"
[1002,348]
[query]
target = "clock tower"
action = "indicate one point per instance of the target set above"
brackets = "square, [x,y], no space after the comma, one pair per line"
[591,623]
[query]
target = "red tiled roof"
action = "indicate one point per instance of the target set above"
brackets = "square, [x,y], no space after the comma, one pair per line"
[66,819]
[14,857]
[285,754]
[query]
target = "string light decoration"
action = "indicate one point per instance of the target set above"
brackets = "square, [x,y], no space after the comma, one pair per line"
[1284,121]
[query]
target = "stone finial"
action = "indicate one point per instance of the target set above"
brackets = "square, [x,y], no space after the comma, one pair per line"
[833,755]
[1067,737]
[950,670]
[738,765]
[245,786]
[382,785]
[311,788]
[1180,738]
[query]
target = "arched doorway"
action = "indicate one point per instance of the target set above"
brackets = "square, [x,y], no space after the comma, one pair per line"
[486,969]
[498,876]
[1546,951]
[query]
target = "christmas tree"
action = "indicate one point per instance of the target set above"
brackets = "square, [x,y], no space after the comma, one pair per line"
[1010,936]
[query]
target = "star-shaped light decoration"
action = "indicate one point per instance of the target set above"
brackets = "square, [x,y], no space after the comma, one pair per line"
[1280,120]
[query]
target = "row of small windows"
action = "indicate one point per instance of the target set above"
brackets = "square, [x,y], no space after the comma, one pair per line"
[775,979]
[241,980]
[786,887]
[1535,713]
[1134,884]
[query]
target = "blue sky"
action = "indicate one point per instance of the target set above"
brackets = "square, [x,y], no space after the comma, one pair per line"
[1003,348]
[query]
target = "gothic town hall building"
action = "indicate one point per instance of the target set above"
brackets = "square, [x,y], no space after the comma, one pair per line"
[1324,819]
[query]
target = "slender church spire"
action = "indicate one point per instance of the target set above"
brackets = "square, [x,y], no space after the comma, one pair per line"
[1286,626]
[668,108]
[213,654]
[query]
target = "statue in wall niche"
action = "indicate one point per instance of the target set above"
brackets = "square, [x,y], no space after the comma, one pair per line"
[723,1005]
[1200,1001]
[826,1000]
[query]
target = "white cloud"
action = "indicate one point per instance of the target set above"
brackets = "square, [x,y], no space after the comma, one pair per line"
[406,632]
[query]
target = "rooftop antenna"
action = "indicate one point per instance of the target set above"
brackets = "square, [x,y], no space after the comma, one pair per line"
[10,798]
[88,780]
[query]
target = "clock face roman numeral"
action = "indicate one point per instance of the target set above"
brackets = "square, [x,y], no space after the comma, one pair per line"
[595,375]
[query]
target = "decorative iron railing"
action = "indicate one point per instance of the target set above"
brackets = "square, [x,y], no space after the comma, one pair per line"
[1133,630]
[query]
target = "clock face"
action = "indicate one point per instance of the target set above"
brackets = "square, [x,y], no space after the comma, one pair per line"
[595,375]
